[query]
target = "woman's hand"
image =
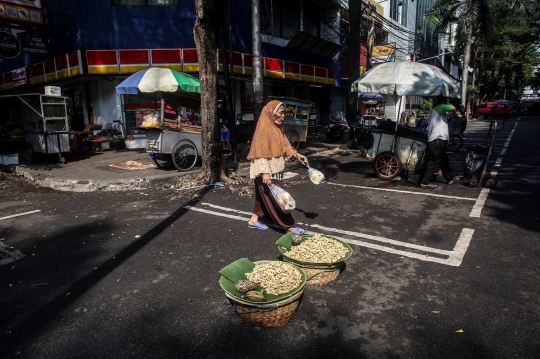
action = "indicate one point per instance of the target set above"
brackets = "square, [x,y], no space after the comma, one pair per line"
[301,158]
[266,179]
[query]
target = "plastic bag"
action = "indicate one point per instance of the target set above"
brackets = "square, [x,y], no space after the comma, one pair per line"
[474,164]
[315,176]
[150,120]
[283,198]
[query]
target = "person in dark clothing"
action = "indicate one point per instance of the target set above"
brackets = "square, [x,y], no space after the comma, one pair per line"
[437,142]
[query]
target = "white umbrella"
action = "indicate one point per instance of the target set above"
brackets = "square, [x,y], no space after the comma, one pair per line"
[407,79]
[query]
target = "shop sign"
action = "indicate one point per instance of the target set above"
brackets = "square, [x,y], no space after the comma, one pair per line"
[383,53]
[193,116]
[170,112]
[19,76]
[22,12]
[10,47]
[33,42]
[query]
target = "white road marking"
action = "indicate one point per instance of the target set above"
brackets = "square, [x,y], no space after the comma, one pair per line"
[20,214]
[482,197]
[402,191]
[454,257]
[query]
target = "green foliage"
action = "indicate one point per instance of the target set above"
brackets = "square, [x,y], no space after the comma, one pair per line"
[425,108]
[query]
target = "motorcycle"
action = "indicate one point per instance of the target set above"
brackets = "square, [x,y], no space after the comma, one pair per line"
[336,128]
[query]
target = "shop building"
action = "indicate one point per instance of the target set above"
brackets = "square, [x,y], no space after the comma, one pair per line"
[88,47]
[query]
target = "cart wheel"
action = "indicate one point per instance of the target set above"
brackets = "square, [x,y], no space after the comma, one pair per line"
[294,138]
[490,181]
[184,155]
[387,165]
[454,143]
[164,162]
[29,153]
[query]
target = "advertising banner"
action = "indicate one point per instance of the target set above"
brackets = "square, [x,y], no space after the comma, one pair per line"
[22,12]
[10,47]
[36,43]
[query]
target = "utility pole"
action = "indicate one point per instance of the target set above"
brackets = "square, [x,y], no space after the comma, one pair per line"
[355,17]
[256,62]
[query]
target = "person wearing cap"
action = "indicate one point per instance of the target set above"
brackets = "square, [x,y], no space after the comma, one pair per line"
[437,142]
[269,150]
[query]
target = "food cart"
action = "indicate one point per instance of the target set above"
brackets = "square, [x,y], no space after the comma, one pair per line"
[46,127]
[396,147]
[174,140]
[295,124]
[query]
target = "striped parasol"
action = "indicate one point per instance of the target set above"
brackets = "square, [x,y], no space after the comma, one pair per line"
[157,79]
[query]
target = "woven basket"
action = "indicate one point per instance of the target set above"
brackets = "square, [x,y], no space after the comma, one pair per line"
[318,274]
[269,315]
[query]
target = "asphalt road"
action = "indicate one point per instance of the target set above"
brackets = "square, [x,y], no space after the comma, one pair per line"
[445,273]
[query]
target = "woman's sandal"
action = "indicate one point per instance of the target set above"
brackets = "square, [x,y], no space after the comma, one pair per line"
[298,230]
[262,227]
[428,185]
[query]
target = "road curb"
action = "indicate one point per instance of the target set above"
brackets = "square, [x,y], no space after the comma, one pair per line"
[67,185]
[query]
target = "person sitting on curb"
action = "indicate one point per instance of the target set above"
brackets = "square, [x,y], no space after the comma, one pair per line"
[437,143]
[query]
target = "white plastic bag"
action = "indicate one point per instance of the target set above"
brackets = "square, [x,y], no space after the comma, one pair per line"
[315,176]
[283,198]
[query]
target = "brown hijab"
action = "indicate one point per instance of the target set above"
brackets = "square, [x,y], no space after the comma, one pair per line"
[268,140]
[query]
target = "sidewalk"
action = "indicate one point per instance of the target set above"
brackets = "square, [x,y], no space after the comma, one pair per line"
[92,171]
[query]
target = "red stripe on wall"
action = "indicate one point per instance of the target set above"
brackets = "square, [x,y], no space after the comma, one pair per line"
[190,56]
[73,58]
[8,78]
[274,64]
[49,66]
[166,56]
[129,57]
[320,72]
[101,57]
[248,60]
[61,62]
[237,59]
[330,74]
[307,70]
[37,69]
[292,67]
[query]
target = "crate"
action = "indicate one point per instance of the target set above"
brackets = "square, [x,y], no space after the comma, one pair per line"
[9,159]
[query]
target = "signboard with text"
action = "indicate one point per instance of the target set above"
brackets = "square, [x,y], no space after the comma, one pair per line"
[30,42]
[28,12]
[19,76]
[10,47]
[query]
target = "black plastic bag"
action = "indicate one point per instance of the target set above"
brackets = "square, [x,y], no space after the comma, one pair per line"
[474,164]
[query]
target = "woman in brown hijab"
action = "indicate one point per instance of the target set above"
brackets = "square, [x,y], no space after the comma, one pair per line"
[268,152]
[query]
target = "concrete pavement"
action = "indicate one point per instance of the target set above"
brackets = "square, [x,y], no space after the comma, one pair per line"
[98,171]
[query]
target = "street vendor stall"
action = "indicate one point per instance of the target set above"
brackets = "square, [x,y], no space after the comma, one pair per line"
[45,121]
[395,147]
[170,139]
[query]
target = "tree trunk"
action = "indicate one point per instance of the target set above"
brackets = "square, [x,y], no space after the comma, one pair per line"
[355,17]
[205,32]
[466,59]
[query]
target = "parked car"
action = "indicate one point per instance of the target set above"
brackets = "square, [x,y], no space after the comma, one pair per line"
[493,109]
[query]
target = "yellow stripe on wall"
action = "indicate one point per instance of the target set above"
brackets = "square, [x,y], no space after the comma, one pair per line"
[276,74]
[75,71]
[306,78]
[292,76]
[132,68]
[320,80]
[248,70]
[62,73]
[191,68]
[103,69]
[38,79]
[176,67]
[50,77]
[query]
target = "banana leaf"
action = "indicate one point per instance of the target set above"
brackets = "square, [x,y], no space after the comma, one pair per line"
[237,270]
[228,286]
[285,245]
